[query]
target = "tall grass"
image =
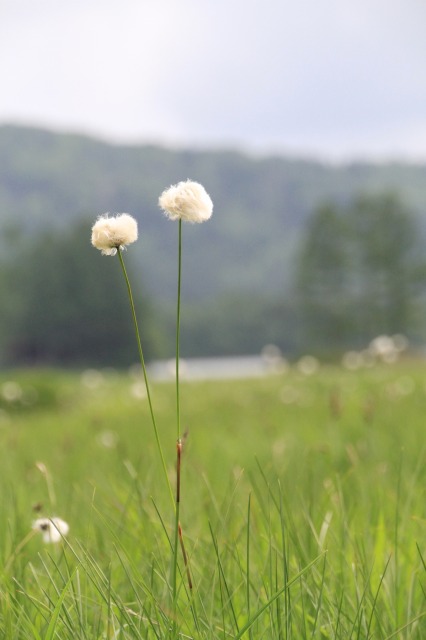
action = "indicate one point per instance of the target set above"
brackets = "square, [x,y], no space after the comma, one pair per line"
[305,498]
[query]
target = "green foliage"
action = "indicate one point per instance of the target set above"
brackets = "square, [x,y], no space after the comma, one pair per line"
[302,508]
[261,203]
[65,303]
[324,279]
[359,272]
[248,251]
[387,255]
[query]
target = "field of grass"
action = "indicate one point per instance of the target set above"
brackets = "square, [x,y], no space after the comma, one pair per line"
[302,507]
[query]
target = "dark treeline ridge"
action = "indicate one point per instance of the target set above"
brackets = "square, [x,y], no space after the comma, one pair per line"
[260,271]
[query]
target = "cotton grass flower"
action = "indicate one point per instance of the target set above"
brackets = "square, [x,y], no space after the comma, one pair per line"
[51,529]
[187,201]
[111,234]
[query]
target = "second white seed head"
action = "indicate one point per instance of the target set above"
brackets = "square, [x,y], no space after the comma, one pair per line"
[112,233]
[187,201]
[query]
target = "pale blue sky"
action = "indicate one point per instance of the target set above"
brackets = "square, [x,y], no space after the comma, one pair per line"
[333,78]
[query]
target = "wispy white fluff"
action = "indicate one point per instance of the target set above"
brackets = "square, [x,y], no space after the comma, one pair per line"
[110,234]
[187,201]
[51,529]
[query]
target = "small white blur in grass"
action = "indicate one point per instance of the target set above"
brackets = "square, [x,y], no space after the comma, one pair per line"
[273,359]
[401,387]
[352,360]
[383,348]
[388,349]
[92,379]
[290,395]
[51,529]
[11,391]
[307,365]
[138,386]
[108,439]
[138,390]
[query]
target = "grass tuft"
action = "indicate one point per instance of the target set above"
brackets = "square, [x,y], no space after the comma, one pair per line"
[302,524]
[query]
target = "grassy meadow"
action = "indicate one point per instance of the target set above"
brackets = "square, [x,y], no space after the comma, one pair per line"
[302,506]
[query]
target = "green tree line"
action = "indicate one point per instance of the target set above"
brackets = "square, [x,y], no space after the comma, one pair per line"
[359,271]
[65,304]
[262,204]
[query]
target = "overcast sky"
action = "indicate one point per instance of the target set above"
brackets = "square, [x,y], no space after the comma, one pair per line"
[332,78]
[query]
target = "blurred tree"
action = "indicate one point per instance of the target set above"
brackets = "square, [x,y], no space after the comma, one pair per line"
[68,305]
[385,256]
[323,280]
[359,267]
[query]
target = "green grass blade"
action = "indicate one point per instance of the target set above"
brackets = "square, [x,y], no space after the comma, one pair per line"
[271,600]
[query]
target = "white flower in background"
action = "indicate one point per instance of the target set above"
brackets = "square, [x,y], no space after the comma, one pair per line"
[187,201]
[11,391]
[108,439]
[383,348]
[138,390]
[308,365]
[352,360]
[52,529]
[92,379]
[110,234]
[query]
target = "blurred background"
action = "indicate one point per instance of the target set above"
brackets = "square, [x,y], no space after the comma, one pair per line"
[306,123]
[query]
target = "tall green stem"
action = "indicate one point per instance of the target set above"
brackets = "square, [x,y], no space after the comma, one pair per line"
[178,331]
[176,540]
[178,441]
[142,361]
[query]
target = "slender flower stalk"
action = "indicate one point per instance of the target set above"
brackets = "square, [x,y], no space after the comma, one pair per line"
[145,375]
[178,432]
[178,440]
[176,538]
[111,235]
[186,201]
[49,483]
[185,558]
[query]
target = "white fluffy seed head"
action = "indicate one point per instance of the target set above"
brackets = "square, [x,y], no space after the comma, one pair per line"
[51,529]
[110,234]
[187,201]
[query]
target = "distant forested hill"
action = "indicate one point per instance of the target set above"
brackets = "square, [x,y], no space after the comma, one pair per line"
[261,203]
